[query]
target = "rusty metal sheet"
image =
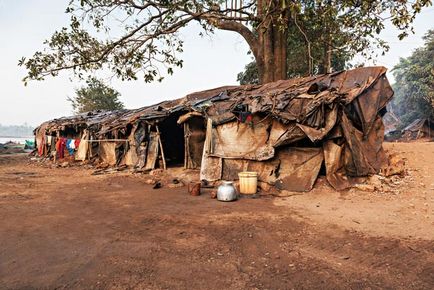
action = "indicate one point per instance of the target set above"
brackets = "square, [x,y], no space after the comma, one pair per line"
[284,134]
[316,134]
[242,141]
[335,171]
[211,169]
[363,156]
[299,168]
[266,169]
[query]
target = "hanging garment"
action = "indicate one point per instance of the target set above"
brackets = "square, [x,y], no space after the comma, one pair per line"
[70,146]
[60,147]
[82,147]
[41,146]
[77,143]
[72,143]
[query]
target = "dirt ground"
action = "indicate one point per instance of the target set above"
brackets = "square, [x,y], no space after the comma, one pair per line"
[65,228]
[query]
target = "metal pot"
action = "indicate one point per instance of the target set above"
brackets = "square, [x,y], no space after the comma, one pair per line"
[226,191]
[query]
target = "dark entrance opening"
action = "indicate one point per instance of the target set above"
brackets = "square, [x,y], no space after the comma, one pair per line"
[195,134]
[172,138]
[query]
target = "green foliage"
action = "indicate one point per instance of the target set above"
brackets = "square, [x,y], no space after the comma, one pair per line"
[250,75]
[95,96]
[414,86]
[345,28]
[145,42]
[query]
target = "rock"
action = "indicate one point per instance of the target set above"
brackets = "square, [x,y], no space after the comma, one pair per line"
[149,181]
[396,166]
[156,172]
[175,184]
[64,164]
[376,181]
[365,187]
[157,185]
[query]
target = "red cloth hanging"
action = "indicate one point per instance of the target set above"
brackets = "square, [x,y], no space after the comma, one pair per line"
[60,147]
[41,146]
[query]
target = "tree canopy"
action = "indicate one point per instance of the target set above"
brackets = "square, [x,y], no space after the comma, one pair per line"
[147,39]
[414,86]
[95,96]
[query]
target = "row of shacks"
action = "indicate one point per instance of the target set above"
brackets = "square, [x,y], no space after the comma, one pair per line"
[288,131]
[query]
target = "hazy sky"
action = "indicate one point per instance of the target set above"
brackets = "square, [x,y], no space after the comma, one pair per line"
[208,62]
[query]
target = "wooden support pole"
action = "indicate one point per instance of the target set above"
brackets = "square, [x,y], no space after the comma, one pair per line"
[185,146]
[161,147]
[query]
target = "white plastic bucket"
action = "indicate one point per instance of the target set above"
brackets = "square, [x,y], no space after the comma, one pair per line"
[248,182]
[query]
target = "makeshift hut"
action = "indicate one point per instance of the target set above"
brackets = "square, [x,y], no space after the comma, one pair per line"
[418,129]
[288,131]
[52,137]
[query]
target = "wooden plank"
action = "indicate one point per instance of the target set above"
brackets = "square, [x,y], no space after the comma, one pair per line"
[161,148]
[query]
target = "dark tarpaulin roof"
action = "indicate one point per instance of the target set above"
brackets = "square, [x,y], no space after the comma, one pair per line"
[298,100]
[91,120]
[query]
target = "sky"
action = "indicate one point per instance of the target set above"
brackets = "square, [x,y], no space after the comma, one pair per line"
[208,62]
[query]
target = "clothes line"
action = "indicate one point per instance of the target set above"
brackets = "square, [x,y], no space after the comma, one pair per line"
[106,140]
[100,140]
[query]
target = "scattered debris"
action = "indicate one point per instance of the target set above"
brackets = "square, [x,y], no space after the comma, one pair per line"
[156,172]
[175,183]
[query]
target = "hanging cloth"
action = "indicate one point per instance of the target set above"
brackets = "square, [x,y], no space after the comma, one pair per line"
[41,146]
[60,147]
[82,147]
[70,146]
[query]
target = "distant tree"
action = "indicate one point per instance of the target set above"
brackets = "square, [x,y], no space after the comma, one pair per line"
[95,96]
[414,86]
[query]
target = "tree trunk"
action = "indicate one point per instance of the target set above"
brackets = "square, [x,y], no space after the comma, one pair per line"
[326,66]
[272,42]
[328,57]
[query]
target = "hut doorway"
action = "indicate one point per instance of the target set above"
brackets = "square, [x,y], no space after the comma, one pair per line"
[172,139]
[195,133]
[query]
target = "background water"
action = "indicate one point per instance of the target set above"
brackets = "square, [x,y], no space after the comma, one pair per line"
[15,139]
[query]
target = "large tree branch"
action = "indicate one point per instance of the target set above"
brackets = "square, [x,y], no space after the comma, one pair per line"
[245,32]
